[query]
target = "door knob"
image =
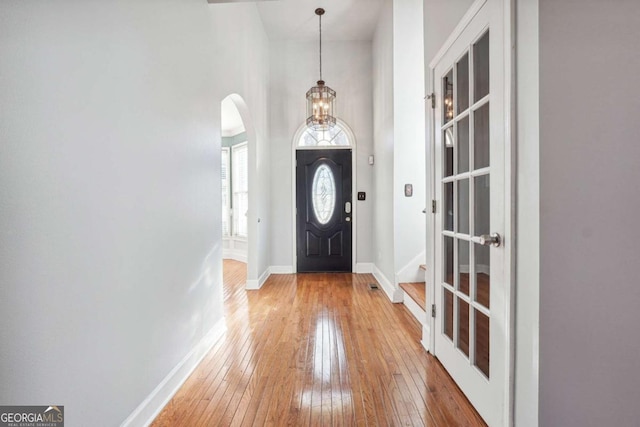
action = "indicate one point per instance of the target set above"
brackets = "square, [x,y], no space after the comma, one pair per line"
[492,239]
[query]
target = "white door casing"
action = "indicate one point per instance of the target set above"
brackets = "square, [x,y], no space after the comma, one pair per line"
[472,187]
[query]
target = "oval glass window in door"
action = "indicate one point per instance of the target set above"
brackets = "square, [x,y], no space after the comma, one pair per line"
[323,194]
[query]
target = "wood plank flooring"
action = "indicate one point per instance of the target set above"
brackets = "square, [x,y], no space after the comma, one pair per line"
[317,350]
[417,291]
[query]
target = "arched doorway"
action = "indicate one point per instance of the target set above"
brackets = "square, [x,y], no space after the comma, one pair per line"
[238,172]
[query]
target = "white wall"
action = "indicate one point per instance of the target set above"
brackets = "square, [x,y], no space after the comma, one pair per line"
[241,52]
[440,18]
[398,87]
[383,119]
[109,189]
[346,68]
[589,204]
[409,138]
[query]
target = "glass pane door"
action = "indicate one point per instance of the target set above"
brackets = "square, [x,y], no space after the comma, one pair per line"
[467,196]
[471,286]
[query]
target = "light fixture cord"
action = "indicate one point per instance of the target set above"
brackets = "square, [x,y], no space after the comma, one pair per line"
[320,16]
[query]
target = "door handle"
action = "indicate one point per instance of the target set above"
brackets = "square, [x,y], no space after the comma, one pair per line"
[347,207]
[492,239]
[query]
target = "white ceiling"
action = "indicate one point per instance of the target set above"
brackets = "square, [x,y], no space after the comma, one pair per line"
[296,20]
[343,20]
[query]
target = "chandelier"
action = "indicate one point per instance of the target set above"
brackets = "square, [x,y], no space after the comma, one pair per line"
[321,98]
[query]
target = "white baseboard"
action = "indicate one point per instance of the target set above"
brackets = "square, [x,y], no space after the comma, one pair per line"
[394,293]
[364,268]
[235,255]
[413,307]
[254,285]
[149,409]
[281,269]
[263,277]
[483,268]
[426,336]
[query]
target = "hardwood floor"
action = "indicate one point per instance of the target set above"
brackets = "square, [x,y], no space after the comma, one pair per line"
[317,349]
[417,291]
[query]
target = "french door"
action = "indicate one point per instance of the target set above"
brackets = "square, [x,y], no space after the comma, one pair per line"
[472,291]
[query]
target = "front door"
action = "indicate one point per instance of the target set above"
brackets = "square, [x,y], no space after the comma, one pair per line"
[324,210]
[472,291]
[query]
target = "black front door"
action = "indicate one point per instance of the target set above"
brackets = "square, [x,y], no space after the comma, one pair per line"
[324,210]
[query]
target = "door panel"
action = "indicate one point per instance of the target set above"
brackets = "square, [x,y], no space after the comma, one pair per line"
[324,223]
[471,288]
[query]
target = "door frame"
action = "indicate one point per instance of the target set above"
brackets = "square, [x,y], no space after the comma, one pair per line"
[253,277]
[339,163]
[510,184]
[294,198]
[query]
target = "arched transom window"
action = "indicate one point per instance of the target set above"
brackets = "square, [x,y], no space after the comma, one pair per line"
[333,137]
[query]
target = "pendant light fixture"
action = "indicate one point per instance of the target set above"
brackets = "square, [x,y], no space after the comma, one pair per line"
[321,98]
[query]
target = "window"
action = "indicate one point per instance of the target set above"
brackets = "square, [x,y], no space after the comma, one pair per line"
[224,172]
[235,190]
[323,194]
[333,137]
[240,188]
